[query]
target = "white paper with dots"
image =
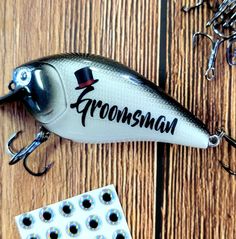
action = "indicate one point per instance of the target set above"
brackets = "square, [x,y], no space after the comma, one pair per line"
[93,215]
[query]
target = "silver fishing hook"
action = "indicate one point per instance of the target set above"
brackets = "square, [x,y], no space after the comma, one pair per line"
[210,72]
[23,154]
[215,140]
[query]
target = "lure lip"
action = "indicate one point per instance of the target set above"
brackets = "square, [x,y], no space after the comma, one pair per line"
[14,95]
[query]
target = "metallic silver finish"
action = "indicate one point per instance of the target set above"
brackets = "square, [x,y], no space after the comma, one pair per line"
[23,154]
[223,25]
[49,89]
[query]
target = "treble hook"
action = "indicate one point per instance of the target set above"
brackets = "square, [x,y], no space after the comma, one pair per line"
[210,72]
[215,140]
[23,154]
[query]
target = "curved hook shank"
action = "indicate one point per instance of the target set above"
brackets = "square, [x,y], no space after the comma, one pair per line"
[39,174]
[203,34]
[10,142]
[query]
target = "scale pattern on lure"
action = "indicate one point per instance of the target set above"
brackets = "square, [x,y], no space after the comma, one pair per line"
[223,25]
[92,99]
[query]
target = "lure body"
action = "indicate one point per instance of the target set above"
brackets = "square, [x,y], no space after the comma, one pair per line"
[87,98]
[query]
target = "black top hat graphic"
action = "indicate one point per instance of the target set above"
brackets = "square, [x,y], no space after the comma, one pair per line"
[84,77]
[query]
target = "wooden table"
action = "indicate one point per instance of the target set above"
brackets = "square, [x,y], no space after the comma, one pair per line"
[167,191]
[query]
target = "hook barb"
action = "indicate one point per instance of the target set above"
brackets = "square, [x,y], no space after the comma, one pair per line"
[24,153]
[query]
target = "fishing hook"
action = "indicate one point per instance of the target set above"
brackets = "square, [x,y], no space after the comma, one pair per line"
[215,140]
[210,72]
[23,154]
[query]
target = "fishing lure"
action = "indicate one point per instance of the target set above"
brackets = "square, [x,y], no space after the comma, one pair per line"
[92,99]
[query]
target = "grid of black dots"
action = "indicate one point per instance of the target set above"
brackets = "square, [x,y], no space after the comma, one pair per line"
[73,228]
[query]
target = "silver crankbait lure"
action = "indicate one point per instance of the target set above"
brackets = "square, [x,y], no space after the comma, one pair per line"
[87,98]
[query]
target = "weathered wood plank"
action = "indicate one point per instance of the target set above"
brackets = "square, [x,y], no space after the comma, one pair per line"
[124,30]
[199,197]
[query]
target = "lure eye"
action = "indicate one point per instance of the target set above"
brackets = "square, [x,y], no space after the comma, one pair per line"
[33,236]
[22,76]
[26,221]
[53,233]
[46,215]
[66,209]
[113,217]
[120,234]
[93,223]
[73,229]
[107,196]
[86,202]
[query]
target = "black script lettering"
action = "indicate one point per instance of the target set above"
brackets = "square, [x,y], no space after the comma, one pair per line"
[148,120]
[113,112]
[135,117]
[160,124]
[87,105]
[171,127]
[95,105]
[104,111]
[124,116]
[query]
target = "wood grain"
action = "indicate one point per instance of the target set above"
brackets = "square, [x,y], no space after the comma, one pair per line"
[199,196]
[185,188]
[123,30]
